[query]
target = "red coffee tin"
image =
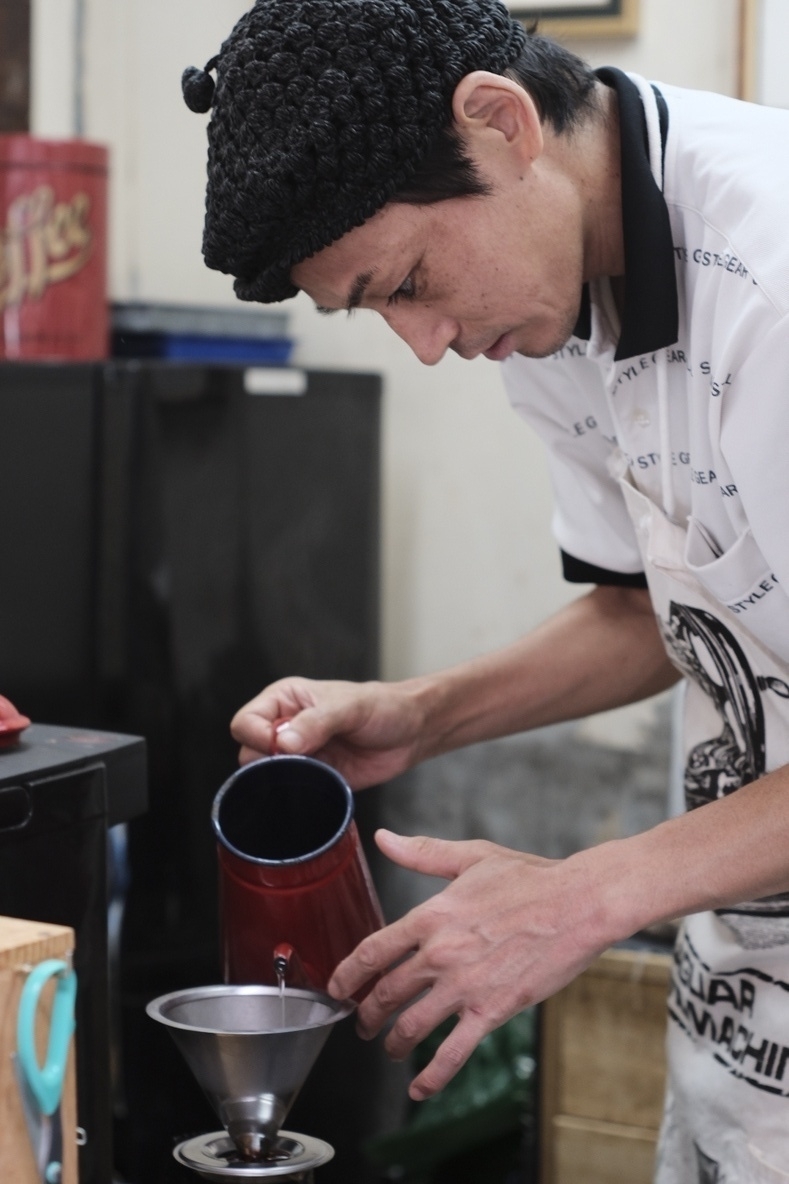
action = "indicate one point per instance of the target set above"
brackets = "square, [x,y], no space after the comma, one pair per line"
[53,249]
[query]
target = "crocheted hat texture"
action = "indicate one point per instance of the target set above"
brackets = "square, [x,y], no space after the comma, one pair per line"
[322,110]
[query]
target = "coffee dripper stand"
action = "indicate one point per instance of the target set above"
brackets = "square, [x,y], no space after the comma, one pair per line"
[251,1048]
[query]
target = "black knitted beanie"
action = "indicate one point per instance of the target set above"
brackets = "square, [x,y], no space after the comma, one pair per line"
[322,110]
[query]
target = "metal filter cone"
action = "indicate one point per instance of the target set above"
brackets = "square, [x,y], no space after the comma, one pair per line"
[250,1049]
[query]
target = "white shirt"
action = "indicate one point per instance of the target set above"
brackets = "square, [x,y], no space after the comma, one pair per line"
[725,470]
[689,398]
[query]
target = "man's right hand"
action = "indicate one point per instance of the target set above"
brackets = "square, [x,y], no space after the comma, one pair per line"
[369,732]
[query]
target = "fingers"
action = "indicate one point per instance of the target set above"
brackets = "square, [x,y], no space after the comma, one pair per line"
[285,718]
[372,957]
[507,931]
[246,754]
[381,950]
[445,858]
[255,724]
[367,731]
[429,1004]
[400,985]
[451,1056]
[275,745]
[253,731]
[417,1022]
[308,730]
[288,737]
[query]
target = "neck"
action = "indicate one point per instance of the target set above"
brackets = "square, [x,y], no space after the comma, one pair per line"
[592,154]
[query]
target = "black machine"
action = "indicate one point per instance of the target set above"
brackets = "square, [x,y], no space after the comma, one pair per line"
[60,791]
[172,538]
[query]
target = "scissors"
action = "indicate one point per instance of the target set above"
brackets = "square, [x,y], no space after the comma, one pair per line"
[41,1086]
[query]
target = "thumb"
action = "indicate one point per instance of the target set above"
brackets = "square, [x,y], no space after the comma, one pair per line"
[433,857]
[308,731]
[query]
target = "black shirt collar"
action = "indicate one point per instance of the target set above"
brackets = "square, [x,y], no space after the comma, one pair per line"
[651,314]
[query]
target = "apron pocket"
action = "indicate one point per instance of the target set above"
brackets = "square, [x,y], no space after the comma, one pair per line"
[742,581]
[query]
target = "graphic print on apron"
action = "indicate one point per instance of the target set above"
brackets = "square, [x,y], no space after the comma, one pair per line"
[724,618]
[723,1007]
[708,653]
[728,1036]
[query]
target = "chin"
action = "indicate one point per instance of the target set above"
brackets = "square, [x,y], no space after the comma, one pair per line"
[551,338]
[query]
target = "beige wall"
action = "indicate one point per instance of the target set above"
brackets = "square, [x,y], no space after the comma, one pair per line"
[771,36]
[468,561]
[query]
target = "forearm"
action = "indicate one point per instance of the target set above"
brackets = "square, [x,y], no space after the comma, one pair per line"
[721,854]
[599,652]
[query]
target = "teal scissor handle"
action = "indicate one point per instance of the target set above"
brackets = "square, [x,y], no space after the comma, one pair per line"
[46,1082]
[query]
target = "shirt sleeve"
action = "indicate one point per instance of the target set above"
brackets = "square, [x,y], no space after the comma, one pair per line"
[575,571]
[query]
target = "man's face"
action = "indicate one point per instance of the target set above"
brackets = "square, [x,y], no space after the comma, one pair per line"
[491,275]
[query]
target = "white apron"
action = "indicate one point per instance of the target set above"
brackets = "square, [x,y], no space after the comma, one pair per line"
[727,1110]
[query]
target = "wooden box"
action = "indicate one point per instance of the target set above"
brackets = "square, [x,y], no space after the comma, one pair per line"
[603,1069]
[23,944]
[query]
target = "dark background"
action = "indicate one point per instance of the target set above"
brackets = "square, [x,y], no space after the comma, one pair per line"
[14,65]
[169,545]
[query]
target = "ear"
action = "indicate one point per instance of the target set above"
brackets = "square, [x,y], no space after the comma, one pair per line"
[486,105]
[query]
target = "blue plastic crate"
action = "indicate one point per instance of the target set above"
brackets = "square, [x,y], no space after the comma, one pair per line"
[183,347]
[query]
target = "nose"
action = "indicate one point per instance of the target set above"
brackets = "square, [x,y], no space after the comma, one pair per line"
[428,333]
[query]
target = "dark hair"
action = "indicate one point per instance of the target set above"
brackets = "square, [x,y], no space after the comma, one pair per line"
[447,171]
[562,86]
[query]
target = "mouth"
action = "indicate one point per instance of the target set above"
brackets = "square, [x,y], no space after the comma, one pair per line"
[502,348]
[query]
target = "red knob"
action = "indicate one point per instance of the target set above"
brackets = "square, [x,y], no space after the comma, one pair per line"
[11,722]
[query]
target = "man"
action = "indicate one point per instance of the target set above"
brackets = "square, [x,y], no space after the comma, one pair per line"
[617,245]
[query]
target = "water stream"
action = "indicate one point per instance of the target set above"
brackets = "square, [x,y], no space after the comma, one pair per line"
[281,984]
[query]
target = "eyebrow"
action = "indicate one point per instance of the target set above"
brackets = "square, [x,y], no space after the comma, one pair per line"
[358,289]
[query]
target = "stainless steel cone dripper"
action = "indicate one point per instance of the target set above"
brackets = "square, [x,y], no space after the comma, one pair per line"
[251,1049]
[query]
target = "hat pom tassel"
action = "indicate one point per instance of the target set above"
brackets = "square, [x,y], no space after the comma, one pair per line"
[197,87]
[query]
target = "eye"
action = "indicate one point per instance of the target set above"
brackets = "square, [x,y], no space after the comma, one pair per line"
[406,291]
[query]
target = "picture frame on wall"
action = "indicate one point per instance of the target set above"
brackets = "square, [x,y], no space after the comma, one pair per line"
[580,18]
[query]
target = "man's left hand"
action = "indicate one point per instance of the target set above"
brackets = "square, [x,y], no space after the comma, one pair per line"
[508,931]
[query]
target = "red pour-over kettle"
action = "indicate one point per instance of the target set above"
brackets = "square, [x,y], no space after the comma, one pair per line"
[296,894]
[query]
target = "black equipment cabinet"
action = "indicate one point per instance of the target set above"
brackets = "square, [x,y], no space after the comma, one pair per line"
[171,542]
[60,789]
